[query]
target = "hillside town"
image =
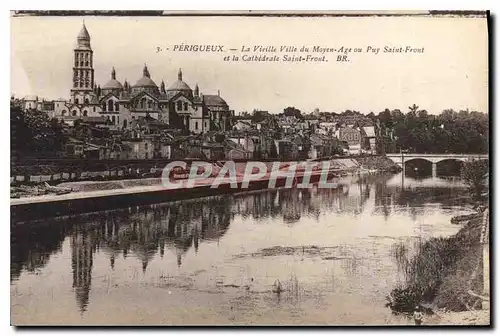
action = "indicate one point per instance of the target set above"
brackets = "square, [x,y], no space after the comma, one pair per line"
[143,120]
[192,188]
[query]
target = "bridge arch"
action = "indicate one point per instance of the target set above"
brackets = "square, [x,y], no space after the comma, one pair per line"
[418,165]
[434,159]
[399,158]
[413,159]
[402,159]
[461,159]
[449,166]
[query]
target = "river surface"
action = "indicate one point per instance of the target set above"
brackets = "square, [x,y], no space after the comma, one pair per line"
[218,260]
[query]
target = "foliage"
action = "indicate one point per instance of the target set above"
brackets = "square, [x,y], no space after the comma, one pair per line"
[292,112]
[420,132]
[258,116]
[475,173]
[441,272]
[34,132]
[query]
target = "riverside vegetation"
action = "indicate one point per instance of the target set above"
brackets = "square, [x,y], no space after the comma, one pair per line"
[444,270]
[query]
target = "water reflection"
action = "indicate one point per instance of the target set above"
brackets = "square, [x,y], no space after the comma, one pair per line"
[146,233]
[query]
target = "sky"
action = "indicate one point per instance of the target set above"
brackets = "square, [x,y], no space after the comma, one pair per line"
[452,72]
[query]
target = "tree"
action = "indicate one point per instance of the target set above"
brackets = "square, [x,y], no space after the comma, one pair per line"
[292,112]
[475,175]
[34,132]
[413,109]
[449,132]
[258,116]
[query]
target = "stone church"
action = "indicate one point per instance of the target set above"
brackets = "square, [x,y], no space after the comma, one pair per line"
[118,104]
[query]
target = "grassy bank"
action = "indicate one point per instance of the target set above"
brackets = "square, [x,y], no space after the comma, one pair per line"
[442,273]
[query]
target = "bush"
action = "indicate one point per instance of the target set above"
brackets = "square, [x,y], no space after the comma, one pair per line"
[475,175]
[441,273]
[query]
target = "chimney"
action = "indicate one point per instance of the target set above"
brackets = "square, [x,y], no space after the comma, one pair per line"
[218,93]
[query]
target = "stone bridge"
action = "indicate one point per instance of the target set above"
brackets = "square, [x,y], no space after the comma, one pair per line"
[401,158]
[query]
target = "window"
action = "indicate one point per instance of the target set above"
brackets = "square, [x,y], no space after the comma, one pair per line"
[94,108]
[196,125]
[110,105]
[113,119]
[63,112]
[104,107]
[76,100]
[150,105]
[125,123]
[179,106]
[185,106]
[85,113]
[74,113]
[86,63]
[143,103]
[117,106]
[118,120]
[86,100]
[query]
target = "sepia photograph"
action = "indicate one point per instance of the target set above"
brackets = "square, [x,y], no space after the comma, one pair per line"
[249,168]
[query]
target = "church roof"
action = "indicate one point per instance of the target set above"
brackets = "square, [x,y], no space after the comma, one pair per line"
[214,100]
[112,84]
[145,82]
[84,34]
[179,86]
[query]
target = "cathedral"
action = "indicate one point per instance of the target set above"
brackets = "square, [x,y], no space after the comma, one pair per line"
[117,104]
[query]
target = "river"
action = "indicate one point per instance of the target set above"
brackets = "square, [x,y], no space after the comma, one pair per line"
[218,260]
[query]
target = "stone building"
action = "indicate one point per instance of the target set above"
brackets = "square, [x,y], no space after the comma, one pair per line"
[178,105]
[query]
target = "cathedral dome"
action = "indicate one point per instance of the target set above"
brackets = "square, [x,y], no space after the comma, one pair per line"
[113,84]
[180,85]
[145,80]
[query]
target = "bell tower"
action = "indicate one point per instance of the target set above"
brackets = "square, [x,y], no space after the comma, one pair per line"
[83,69]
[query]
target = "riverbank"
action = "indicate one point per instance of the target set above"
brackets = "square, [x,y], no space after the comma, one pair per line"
[85,196]
[121,179]
[472,318]
[446,274]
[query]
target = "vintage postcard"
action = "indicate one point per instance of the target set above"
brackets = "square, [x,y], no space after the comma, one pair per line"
[249,168]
